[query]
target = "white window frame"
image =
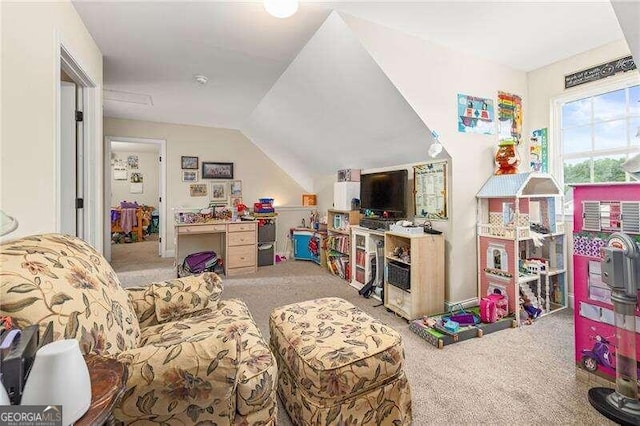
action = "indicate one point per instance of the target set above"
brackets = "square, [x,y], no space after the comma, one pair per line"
[626,80]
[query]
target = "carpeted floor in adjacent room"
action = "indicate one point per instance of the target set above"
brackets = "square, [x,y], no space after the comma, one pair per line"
[514,376]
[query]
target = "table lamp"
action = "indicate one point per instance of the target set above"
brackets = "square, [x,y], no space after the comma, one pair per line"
[59,376]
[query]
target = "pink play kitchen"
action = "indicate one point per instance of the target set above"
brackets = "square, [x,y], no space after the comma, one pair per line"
[605,254]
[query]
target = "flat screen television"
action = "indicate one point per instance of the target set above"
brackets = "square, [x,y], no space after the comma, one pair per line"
[384,192]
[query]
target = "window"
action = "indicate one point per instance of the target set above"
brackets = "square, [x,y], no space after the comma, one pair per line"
[598,132]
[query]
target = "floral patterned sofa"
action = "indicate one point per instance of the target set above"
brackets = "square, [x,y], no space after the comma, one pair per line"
[191,357]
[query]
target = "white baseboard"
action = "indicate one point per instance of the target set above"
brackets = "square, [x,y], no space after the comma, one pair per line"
[571,301]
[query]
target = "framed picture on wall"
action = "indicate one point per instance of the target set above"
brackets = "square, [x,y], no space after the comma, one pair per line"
[189,162]
[198,189]
[189,175]
[220,192]
[236,188]
[212,170]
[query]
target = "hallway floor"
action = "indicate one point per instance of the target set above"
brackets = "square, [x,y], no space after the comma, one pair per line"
[138,256]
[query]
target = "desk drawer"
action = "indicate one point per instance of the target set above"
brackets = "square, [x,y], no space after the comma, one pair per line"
[239,256]
[241,271]
[242,226]
[201,229]
[242,238]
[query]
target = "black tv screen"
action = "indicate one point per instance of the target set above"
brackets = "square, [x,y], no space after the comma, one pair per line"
[384,192]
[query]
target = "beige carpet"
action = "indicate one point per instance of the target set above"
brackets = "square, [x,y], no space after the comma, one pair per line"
[142,255]
[524,375]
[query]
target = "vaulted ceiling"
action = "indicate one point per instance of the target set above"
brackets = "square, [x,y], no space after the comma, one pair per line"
[302,84]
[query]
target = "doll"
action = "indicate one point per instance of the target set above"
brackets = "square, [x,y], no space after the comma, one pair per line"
[528,308]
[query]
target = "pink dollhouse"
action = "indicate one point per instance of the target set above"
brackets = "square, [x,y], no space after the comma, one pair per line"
[521,244]
[598,211]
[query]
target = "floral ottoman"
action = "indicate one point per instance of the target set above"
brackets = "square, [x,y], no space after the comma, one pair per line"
[337,365]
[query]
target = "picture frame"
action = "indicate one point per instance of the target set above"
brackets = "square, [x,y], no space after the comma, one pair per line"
[190,175]
[214,170]
[198,189]
[236,188]
[431,191]
[188,162]
[236,201]
[220,192]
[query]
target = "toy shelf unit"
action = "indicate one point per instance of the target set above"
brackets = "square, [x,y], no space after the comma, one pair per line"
[521,241]
[598,211]
[414,274]
[365,243]
[338,241]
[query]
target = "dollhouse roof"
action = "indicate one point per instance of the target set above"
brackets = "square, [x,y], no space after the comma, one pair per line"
[520,185]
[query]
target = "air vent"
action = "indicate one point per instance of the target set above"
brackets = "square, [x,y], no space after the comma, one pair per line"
[128,97]
[591,215]
[630,217]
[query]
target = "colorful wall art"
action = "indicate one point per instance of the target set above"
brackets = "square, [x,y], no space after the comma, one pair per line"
[475,115]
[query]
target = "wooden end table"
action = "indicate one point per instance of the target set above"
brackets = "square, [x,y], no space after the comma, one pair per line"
[108,383]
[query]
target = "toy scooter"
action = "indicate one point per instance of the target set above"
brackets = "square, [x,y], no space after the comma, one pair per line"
[600,354]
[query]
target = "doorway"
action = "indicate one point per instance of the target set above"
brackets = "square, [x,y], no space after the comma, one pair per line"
[135,190]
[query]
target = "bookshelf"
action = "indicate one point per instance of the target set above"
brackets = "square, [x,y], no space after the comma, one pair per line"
[338,241]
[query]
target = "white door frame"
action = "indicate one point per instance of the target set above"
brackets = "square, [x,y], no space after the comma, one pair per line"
[92,131]
[162,228]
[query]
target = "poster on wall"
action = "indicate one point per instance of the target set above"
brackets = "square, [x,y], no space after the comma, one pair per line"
[475,115]
[119,170]
[132,161]
[509,117]
[539,151]
[430,191]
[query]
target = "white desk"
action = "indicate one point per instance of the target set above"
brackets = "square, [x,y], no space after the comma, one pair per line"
[236,243]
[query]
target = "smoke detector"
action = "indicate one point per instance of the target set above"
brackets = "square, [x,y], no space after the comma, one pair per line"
[201,79]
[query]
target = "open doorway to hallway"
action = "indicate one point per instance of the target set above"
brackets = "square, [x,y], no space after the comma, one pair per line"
[135,188]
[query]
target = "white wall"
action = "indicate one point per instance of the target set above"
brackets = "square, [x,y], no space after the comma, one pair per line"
[260,176]
[430,76]
[149,167]
[30,74]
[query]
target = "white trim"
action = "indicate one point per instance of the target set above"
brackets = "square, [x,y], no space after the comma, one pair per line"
[162,148]
[92,133]
[623,81]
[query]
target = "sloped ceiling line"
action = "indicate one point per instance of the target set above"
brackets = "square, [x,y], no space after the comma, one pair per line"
[334,107]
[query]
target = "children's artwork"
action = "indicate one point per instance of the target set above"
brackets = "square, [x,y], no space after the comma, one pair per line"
[219,191]
[136,188]
[136,178]
[132,161]
[236,188]
[539,151]
[119,170]
[475,115]
[198,189]
[509,117]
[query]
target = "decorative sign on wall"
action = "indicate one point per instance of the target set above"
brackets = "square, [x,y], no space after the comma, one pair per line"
[509,117]
[430,190]
[599,72]
[539,151]
[475,115]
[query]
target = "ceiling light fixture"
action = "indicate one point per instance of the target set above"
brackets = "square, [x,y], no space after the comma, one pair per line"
[201,79]
[281,8]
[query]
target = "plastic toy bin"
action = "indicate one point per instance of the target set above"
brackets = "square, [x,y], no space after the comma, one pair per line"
[399,275]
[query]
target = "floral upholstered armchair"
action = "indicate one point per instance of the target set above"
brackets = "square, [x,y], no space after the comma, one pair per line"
[191,357]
